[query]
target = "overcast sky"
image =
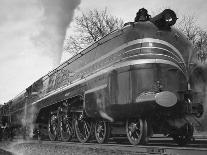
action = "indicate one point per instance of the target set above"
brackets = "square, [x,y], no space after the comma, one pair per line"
[32,31]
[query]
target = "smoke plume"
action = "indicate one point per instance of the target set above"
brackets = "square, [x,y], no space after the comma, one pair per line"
[49,38]
[199,87]
[56,16]
[32,34]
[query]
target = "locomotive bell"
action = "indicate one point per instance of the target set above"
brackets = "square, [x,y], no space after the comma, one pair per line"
[165,20]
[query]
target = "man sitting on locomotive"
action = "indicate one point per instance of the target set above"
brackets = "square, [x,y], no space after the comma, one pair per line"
[3,126]
[142,15]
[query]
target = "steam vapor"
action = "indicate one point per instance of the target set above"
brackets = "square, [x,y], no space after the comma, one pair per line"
[57,15]
[199,85]
[198,80]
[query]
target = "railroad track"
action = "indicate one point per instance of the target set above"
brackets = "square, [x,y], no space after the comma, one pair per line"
[156,146]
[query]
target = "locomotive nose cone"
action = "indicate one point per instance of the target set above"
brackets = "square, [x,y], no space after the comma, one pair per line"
[166,99]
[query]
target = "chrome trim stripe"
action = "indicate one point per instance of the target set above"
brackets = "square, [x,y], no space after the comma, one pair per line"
[145,61]
[156,48]
[153,54]
[96,89]
[160,55]
[165,43]
[144,40]
[102,71]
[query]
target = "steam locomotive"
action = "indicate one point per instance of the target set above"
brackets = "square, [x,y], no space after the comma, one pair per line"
[134,82]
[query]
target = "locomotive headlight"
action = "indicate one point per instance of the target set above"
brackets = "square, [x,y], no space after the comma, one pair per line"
[165,19]
[170,17]
[166,99]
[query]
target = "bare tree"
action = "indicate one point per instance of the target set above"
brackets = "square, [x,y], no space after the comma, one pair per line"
[90,27]
[196,35]
[201,46]
[94,24]
[187,25]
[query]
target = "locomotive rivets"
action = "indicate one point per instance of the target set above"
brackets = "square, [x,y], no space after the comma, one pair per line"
[158,33]
[176,36]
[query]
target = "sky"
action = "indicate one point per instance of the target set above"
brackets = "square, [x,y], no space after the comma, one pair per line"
[32,33]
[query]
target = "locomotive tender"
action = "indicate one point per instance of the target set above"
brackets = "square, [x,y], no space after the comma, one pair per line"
[132,82]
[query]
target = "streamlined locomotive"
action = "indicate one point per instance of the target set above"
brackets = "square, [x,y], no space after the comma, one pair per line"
[133,82]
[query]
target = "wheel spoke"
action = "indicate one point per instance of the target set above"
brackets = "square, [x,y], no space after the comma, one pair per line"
[83,129]
[86,125]
[138,135]
[186,137]
[52,128]
[134,129]
[65,128]
[101,131]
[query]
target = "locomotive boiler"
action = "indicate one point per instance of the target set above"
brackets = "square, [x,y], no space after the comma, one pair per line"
[133,82]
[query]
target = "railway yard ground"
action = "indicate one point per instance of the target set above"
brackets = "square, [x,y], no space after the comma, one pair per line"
[157,146]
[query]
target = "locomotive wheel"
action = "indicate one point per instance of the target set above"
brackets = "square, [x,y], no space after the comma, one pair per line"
[145,134]
[181,140]
[184,136]
[52,129]
[134,130]
[101,131]
[83,129]
[66,131]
